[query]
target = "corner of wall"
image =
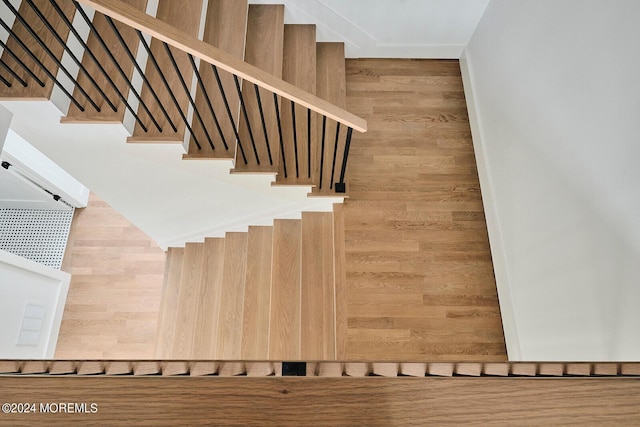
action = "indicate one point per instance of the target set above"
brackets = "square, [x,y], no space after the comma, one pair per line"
[5,123]
[498,253]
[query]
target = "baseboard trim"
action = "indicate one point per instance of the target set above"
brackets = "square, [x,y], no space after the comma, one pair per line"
[496,242]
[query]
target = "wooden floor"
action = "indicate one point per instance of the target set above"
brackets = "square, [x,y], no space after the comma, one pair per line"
[420,281]
[419,277]
[371,401]
[116,284]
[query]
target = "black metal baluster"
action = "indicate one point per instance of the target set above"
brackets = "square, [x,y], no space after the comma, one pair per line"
[6,82]
[226,105]
[264,125]
[118,67]
[324,127]
[340,185]
[206,97]
[335,152]
[295,136]
[48,51]
[284,159]
[71,54]
[168,88]
[246,117]
[141,73]
[188,93]
[309,142]
[22,64]
[78,37]
[13,73]
[40,64]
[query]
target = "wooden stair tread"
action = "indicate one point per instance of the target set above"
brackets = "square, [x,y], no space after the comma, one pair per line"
[33,89]
[268,294]
[299,68]
[229,336]
[168,305]
[263,49]
[185,16]
[317,295]
[225,28]
[255,327]
[331,73]
[208,308]
[190,282]
[331,86]
[106,115]
[284,335]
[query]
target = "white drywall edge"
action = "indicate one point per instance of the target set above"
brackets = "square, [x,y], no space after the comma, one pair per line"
[242,224]
[41,170]
[5,122]
[27,270]
[498,253]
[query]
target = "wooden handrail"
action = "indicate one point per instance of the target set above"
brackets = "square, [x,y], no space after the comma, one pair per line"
[126,14]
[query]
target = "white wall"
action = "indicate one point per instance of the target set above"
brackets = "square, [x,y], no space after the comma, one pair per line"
[170,199]
[24,282]
[21,186]
[5,122]
[557,102]
[390,29]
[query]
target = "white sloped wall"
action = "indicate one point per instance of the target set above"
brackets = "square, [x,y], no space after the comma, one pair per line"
[170,199]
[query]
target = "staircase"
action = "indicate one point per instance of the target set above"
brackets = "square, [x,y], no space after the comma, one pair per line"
[265,95]
[267,294]
[246,92]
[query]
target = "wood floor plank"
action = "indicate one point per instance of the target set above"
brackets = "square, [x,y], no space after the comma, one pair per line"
[185,16]
[106,115]
[208,304]
[188,300]
[169,304]
[225,28]
[229,336]
[257,301]
[264,44]
[331,86]
[284,335]
[318,288]
[299,68]
[420,281]
[115,279]
[33,89]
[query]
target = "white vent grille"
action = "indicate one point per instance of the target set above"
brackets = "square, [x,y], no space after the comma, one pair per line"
[38,235]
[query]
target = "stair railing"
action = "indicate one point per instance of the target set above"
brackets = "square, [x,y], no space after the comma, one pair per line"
[14,70]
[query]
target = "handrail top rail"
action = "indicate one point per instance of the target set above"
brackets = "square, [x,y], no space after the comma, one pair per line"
[120,11]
